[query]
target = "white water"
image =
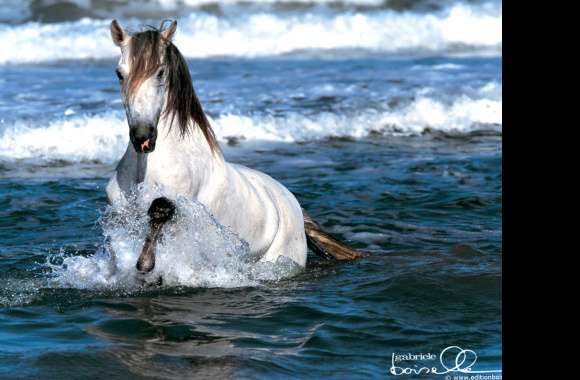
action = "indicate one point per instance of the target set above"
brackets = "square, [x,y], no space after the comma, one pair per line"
[195,251]
[462,116]
[460,27]
[104,137]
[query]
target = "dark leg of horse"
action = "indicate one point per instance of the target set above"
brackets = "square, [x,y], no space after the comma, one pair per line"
[160,212]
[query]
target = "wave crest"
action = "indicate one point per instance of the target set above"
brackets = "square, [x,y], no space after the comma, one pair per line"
[104,138]
[460,28]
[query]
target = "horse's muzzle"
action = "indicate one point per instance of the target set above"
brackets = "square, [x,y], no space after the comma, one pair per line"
[143,138]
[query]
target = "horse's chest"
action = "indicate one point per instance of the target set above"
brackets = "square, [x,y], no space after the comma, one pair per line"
[171,178]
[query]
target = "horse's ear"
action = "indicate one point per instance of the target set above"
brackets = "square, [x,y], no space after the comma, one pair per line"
[118,34]
[168,33]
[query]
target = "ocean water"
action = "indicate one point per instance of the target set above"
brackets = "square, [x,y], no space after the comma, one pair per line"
[384,118]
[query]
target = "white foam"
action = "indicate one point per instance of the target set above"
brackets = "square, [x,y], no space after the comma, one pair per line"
[104,138]
[459,28]
[476,108]
[74,138]
[464,116]
[195,251]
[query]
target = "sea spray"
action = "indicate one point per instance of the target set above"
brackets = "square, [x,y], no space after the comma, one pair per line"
[195,251]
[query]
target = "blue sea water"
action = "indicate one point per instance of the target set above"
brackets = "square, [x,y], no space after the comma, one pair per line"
[383,118]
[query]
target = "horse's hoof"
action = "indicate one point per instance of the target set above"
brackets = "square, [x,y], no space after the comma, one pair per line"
[144,269]
[145,266]
[146,262]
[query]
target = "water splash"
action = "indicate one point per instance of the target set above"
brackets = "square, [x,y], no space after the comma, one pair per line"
[195,251]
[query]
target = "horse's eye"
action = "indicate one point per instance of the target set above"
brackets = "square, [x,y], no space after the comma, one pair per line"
[119,75]
[160,74]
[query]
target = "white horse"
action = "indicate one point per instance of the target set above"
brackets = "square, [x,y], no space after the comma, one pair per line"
[172,147]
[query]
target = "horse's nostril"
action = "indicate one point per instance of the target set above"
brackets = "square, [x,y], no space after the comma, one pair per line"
[144,145]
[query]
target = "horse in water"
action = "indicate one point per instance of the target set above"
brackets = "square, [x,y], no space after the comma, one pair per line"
[173,147]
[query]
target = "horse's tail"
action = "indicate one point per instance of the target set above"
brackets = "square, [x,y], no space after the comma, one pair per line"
[325,245]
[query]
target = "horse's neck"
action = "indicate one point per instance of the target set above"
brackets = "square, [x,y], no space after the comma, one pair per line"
[171,140]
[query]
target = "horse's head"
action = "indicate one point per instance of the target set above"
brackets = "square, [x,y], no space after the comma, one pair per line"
[142,73]
[155,83]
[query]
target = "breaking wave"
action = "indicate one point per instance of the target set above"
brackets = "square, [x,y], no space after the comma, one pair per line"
[458,28]
[68,138]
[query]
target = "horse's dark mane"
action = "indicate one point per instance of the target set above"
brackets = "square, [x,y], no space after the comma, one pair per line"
[182,101]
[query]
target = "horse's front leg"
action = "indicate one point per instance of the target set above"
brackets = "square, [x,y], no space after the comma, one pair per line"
[160,212]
